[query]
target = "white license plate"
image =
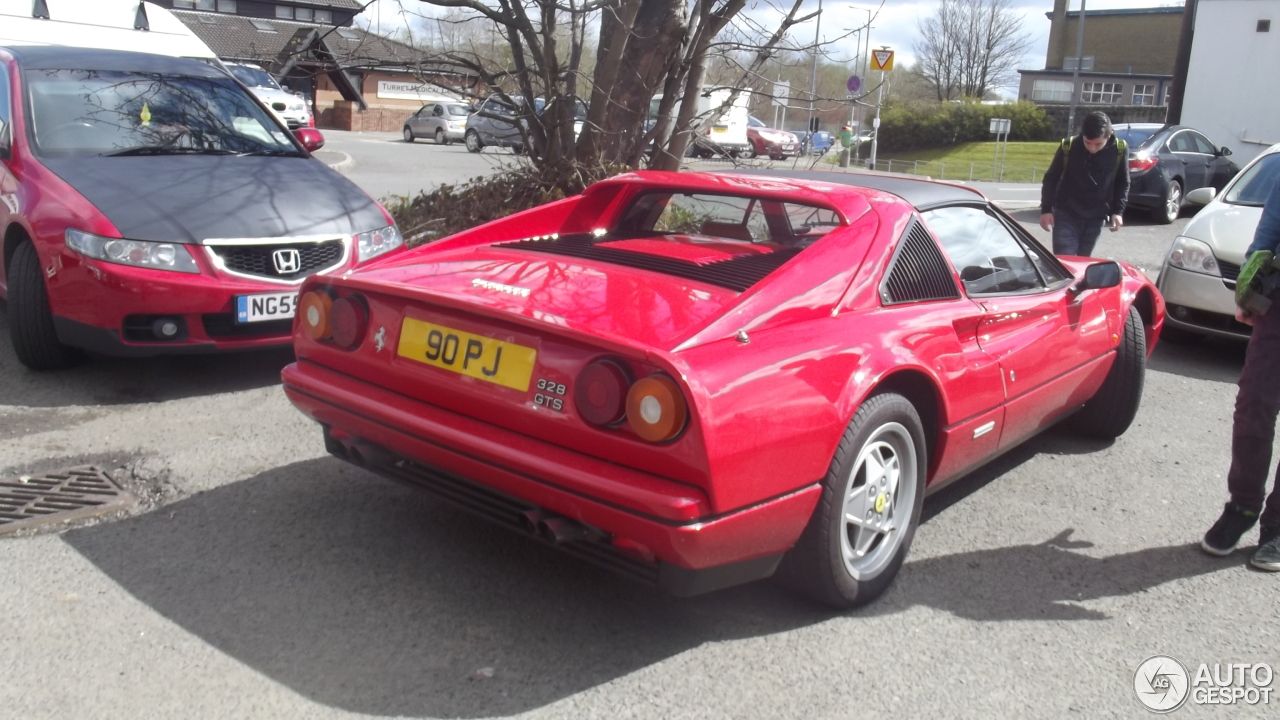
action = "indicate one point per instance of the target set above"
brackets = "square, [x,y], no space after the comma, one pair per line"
[269,306]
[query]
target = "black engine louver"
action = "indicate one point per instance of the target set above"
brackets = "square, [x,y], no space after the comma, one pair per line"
[918,271]
[739,273]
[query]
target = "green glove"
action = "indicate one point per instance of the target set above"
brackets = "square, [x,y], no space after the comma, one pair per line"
[1251,290]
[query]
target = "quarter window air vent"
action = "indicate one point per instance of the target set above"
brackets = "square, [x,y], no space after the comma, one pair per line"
[918,271]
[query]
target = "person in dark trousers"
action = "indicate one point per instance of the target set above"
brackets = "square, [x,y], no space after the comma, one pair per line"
[1254,428]
[1086,185]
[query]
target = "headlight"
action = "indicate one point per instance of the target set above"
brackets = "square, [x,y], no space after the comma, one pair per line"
[297,108]
[374,243]
[1193,255]
[154,255]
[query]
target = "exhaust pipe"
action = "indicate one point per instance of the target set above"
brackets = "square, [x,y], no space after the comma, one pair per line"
[558,530]
[531,519]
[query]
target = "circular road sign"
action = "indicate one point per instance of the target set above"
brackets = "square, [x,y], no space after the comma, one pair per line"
[854,84]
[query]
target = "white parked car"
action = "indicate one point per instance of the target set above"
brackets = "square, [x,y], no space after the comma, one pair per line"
[1198,279]
[291,109]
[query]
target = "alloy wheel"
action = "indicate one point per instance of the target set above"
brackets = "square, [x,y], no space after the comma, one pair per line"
[877,502]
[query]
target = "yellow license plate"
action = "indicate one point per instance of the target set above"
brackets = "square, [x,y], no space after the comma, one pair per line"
[475,356]
[719,130]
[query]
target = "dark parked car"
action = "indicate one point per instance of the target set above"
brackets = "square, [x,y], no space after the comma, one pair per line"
[1168,161]
[495,123]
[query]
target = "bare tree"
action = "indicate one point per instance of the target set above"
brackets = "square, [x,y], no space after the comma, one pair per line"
[970,47]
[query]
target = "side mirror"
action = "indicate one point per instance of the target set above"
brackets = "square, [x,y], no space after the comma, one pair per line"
[1225,150]
[1202,196]
[310,138]
[1098,276]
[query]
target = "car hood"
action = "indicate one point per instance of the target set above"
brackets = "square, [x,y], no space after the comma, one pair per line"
[623,304]
[191,198]
[1227,229]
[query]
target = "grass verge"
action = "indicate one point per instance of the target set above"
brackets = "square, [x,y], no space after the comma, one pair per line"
[1022,162]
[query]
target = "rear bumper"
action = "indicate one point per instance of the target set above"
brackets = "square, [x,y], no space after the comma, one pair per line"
[411,441]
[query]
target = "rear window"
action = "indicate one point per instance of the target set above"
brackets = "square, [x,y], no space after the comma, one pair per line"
[458,110]
[733,218]
[1134,137]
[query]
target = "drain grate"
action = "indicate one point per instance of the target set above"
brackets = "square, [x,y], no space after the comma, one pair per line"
[58,496]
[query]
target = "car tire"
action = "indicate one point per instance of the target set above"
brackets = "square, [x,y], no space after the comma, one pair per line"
[35,341]
[441,137]
[844,563]
[754,153]
[408,134]
[472,140]
[1108,414]
[1168,211]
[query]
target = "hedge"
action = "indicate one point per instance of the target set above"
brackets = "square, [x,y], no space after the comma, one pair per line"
[904,127]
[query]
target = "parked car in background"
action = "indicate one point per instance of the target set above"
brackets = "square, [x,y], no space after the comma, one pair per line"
[777,144]
[696,379]
[1168,161]
[1198,278]
[816,143]
[291,109]
[496,122]
[726,136]
[442,120]
[152,206]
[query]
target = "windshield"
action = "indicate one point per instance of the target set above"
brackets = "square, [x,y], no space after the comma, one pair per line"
[1134,136]
[1253,185]
[253,77]
[755,122]
[79,113]
[458,110]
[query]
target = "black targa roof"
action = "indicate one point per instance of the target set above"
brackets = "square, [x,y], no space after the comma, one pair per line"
[920,193]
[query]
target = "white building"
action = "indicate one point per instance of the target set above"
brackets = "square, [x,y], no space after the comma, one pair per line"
[1233,84]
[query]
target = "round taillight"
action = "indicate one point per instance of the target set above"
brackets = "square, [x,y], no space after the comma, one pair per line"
[655,408]
[313,308]
[349,318]
[600,392]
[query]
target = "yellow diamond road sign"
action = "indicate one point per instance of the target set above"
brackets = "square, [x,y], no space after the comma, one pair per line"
[882,60]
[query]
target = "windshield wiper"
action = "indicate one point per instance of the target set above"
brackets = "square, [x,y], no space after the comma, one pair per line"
[274,153]
[155,150]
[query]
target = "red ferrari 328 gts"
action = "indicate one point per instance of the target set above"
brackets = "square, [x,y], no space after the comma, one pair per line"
[700,379]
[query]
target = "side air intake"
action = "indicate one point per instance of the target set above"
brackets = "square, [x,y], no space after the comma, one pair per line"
[918,271]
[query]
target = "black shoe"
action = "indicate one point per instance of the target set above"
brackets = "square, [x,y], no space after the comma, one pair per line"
[1267,556]
[1225,534]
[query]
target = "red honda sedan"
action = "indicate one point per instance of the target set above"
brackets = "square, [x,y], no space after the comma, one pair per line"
[701,379]
[152,205]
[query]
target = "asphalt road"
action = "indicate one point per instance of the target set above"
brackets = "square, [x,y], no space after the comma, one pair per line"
[262,578]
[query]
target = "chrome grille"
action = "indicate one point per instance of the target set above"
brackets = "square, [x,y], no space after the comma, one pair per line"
[257,260]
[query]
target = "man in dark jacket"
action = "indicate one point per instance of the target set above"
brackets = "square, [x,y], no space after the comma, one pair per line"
[1086,185]
[1253,431]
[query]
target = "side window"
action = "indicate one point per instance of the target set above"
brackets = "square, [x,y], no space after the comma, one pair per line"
[438,111]
[1202,144]
[1182,143]
[988,257]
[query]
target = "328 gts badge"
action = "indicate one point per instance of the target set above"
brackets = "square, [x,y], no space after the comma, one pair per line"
[550,394]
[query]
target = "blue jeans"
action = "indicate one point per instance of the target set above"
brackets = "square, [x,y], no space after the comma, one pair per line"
[1074,235]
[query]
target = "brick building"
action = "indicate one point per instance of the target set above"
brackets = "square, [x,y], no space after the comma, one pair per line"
[1125,68]
[356,80]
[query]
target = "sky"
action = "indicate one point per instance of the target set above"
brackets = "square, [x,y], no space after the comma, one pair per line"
[895,25]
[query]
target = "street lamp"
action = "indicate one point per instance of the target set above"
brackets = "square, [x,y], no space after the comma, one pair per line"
[1075,73]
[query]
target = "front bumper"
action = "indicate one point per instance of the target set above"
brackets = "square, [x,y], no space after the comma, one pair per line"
[111,309]
[1200,303]
[504,475]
